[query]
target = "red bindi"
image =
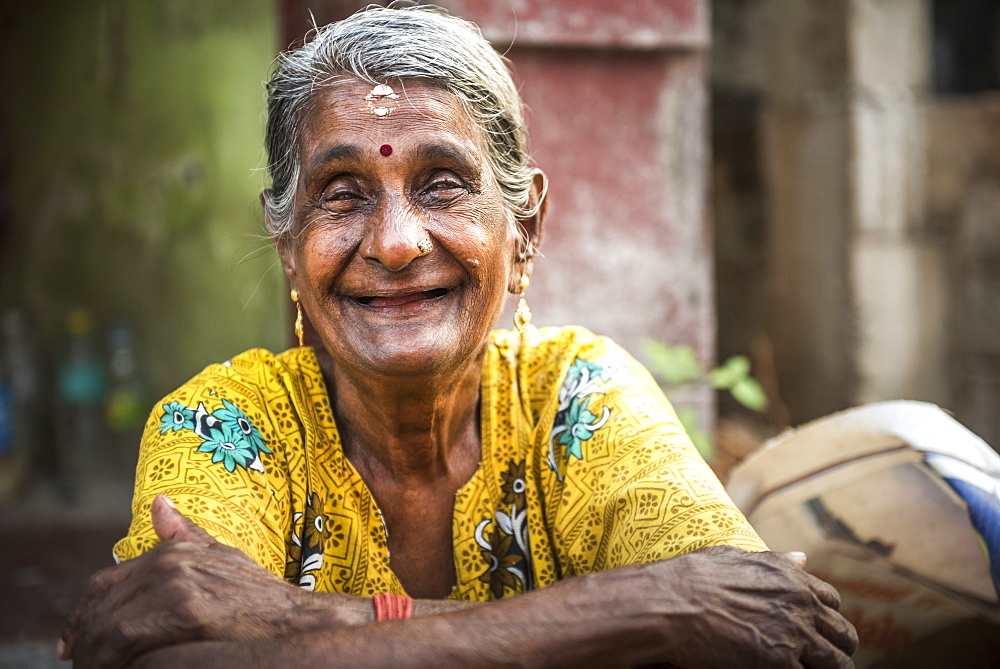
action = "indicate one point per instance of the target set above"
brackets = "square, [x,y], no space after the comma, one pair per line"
[385,150]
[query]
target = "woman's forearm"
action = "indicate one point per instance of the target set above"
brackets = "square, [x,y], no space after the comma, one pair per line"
[717,607]
[316,611]
[551,627]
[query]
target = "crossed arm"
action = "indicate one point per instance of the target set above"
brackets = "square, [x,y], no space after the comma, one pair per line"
[194,600]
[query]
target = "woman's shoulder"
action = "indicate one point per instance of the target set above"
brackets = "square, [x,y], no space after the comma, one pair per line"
[555,342]
[556,350]
[256,377]
[223,446]
[553,363]
[259,365]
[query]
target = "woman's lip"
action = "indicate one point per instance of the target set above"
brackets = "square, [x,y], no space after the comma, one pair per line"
[400,299]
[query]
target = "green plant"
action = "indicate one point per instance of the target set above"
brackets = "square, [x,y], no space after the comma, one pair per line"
[676,366]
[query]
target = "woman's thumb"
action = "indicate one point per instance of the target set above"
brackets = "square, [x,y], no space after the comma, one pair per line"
[798,557]
[169,523]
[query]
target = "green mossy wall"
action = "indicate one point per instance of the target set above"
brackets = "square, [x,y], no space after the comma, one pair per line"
[130,141]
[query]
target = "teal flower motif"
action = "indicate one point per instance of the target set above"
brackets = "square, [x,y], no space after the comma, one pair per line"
[579,427]
[574,422]
[237,422]
[228,447]
[176,417]
[582,378]
[594,371]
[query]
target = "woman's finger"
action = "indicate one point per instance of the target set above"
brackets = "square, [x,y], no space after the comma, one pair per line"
[98,586]
[838,631]
[825,593]
[822,654]
[170,523]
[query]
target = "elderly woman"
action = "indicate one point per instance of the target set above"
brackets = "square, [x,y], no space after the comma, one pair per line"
[419,489]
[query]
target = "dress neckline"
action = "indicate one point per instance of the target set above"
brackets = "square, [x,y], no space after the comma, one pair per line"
[327,422]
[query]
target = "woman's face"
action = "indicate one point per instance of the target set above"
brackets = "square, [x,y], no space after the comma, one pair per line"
[400,250]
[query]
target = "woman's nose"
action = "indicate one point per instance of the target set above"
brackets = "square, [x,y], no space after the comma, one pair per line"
[395,238]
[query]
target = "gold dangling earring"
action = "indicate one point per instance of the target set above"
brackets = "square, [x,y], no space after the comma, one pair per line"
[298,317]
[522,315]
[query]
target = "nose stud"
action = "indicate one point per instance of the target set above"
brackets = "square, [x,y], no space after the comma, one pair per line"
[424,246]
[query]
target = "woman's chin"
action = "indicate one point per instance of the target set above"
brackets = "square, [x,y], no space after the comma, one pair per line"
[415,352]
[436,338]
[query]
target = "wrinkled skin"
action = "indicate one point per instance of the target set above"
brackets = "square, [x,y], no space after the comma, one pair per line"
[734,608]
[717,607]
[190,587]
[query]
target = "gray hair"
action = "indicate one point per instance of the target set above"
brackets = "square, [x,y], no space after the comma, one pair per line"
[378,44]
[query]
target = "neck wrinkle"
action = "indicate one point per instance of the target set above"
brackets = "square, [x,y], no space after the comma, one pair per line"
[408,430]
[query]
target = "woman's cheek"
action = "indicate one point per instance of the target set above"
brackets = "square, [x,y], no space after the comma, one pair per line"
[326,247]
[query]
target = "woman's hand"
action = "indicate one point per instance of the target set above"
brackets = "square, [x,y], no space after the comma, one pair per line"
[188,588]
[721,607]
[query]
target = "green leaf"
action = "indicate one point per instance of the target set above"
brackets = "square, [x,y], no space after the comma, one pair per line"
[731,372]
[700,438]
[673,365]
[749,393]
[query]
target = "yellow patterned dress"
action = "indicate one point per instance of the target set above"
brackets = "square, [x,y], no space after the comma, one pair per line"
[584,468]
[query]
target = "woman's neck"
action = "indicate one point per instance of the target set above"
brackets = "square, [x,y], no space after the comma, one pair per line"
[413,429]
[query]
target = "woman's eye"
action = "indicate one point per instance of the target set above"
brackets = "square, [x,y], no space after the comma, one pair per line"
[339,203]
[342,195]
[445,184]
[340,198]
[446,187]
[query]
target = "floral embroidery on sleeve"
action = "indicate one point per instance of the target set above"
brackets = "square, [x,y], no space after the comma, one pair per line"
[575,422]
[228,433]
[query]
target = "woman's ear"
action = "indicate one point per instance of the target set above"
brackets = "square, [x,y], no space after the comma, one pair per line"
[538,202]
[532,228]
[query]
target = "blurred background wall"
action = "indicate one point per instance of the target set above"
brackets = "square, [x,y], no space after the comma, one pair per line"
[130,257]
[132,136]
[130,150]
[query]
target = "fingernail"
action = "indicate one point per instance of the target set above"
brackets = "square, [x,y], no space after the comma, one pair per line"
[169,502]
[799,554]
[61,650]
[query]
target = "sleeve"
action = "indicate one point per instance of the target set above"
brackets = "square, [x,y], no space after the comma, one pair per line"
[630,487]
[210,447]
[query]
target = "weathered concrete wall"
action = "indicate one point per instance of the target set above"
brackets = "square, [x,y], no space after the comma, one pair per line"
[855,289]
[870,206]
[897,268]
[132,132]
[806,138]
[963,205]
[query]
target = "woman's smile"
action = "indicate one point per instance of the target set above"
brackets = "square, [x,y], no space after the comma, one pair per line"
[402,299]
[402,302]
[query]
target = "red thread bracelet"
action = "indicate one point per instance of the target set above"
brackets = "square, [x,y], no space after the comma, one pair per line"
[392,607]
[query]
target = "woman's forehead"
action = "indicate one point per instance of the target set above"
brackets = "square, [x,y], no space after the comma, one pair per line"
[353,112]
